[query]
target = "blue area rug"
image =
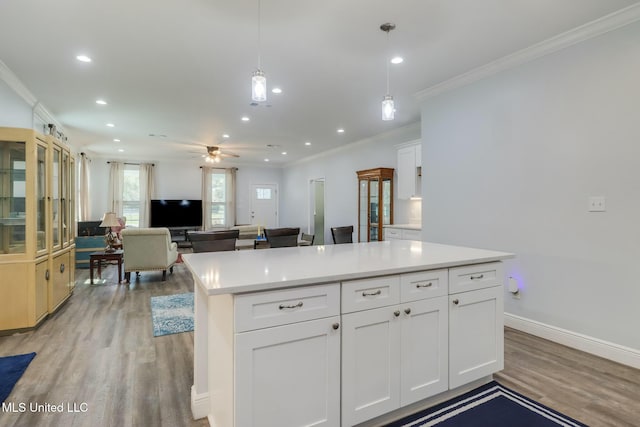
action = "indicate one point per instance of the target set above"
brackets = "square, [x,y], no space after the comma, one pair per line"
[490,405]
[11,369]
[172,314]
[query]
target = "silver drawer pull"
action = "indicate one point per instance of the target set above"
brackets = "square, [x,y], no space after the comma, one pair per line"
[477,277]
[283,306]
[424,285]
[372,294]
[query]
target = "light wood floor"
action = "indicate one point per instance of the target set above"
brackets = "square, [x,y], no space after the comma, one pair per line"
[99,349]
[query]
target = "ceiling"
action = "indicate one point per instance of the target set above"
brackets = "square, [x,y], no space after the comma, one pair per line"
[181,70]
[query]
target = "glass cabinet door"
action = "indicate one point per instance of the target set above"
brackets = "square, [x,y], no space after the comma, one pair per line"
[386,201]
[64,198]
[12,197]
[41,197]
[55,198]
[71,225]
[363,204]
[374,201]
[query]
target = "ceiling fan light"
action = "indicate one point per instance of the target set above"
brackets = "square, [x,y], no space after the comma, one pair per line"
[258,86]
[388,108]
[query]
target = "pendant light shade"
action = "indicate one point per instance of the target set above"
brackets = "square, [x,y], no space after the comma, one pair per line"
[258,86]
[388,108]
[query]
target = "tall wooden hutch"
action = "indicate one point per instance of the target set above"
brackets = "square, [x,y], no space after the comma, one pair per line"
[37,223]
[375,202]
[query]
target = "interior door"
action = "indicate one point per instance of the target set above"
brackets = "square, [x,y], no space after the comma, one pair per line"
[264,205]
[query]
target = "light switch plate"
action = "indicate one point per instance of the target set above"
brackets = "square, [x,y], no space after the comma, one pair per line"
[597,204]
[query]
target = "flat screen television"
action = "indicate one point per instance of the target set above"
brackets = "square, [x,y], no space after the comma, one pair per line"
[176,213]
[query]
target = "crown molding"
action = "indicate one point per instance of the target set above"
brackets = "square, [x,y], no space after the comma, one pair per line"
[39,110]
[579,34]
[7,76]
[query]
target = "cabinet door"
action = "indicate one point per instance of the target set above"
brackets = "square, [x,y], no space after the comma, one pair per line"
[406,172]
[425,330]
[59,280]
[370,364]
[289,376]
[476,339]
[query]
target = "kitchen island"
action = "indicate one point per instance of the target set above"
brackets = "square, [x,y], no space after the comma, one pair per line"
[340,335]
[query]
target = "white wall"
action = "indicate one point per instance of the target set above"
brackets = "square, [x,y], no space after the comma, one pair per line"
[338,167]
[181,180]
[509,162]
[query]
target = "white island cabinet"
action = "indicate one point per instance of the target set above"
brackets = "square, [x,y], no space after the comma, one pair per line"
[343,334]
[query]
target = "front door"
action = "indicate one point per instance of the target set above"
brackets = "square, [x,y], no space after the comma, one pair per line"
[264,205]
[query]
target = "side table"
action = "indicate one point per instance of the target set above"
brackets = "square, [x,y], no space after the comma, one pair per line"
[105,256]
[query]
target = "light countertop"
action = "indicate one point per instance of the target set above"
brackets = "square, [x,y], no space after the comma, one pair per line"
[264,269]
[405,226]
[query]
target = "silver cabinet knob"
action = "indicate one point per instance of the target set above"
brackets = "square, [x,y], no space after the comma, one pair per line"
[407,311]
[335,326]
[396,313]
[455,301]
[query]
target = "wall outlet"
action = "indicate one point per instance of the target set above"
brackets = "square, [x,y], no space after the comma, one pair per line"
[597,204]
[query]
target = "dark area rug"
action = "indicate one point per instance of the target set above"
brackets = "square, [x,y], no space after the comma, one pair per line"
[11,369]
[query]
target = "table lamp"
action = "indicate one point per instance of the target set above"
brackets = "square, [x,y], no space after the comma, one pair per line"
[110,220]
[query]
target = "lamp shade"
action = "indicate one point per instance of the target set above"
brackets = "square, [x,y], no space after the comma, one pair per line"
[110,220]
[258,86]
[388,108]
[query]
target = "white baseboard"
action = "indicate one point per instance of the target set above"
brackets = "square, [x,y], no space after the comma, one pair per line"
[199,404]
[617,353]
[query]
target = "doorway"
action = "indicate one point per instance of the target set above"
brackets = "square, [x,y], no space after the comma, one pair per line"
[264,205]
[316,209]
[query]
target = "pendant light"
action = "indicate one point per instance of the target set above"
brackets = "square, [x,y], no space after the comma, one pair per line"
[258,80]
[388,106]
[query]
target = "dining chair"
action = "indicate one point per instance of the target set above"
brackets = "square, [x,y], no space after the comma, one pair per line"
[342,234]
[282,237]
[306,239]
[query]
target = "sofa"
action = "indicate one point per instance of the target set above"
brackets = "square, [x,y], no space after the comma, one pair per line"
[148,249]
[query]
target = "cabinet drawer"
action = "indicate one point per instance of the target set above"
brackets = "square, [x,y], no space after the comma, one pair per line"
[423,284]
[471,277]
[272,308]
[392,233]
[411,234]
[370,293]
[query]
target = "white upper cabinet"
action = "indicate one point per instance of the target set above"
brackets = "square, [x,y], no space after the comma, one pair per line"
[409,170]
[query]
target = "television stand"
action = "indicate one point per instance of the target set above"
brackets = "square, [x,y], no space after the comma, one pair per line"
[179,235]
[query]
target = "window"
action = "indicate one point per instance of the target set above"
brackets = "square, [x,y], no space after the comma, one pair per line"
[131,195]
[218,198]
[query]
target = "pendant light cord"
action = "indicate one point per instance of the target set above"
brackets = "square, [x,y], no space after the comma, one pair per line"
[387,61]
[259,34]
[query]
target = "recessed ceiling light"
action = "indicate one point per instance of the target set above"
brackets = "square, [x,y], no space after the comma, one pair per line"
[266,160]
[276,90]
[397,60]
[307,143]
[116,140]
[83,58]
[110,125]
[340,130]
[245,119]
[225,135]
[120,150]
[284,153]
[101,102]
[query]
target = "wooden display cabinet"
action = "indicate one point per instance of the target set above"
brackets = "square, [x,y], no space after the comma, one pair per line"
[28,209]
[375,203]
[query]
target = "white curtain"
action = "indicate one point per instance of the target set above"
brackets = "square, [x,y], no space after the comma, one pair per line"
[146,193]
[84,205]
[116,184]
[206,197]
[230,192]
[229,202]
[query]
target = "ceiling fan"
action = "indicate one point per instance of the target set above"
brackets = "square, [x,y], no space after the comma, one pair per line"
[215,154]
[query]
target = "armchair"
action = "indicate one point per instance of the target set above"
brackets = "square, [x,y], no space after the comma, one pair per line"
[148,249]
